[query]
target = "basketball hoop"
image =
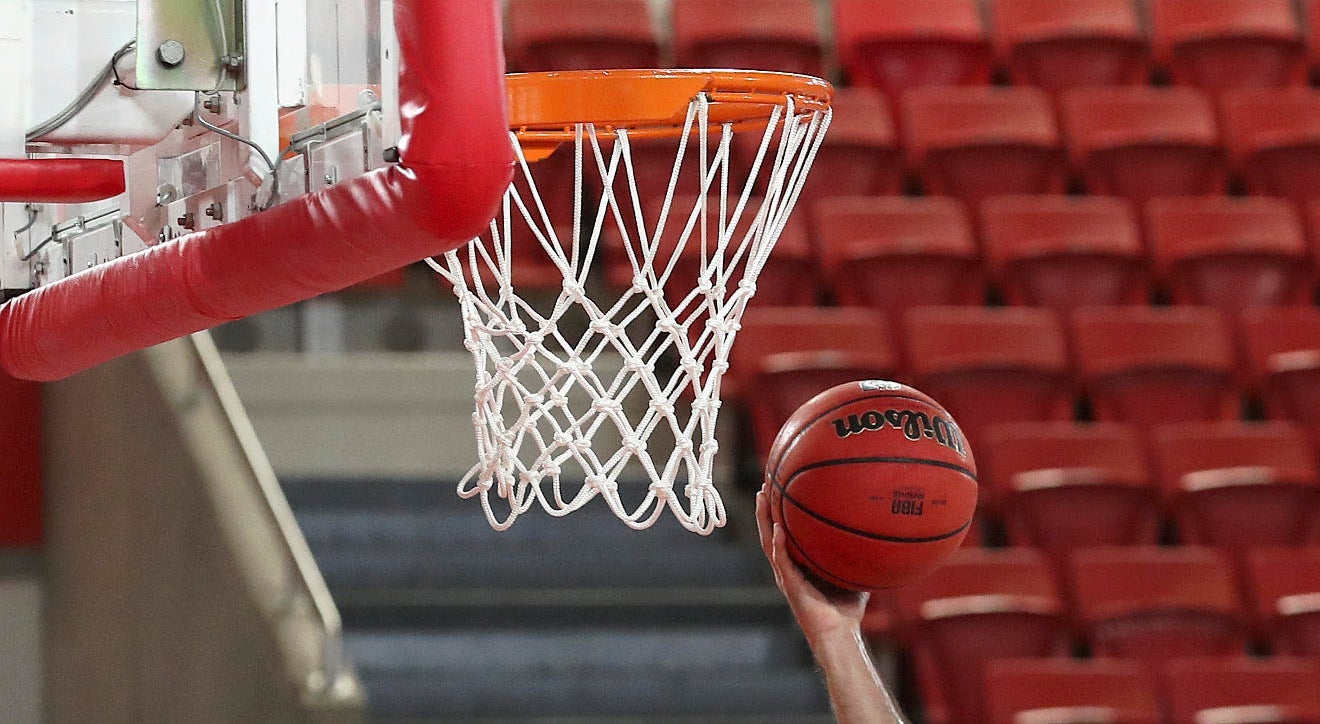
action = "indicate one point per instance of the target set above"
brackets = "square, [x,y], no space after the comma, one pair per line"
[639,386]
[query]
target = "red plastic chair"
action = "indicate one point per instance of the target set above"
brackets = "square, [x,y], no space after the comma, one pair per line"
[1283,358]
[982,604]
[1065,252]
[860,155]
[1144,142]
[1241,690]
[896,253]
[784,356]
[1272,139]
[990,366]
[1236,485]
[1147,366]
[896,45]
[1232,253]
[580,35]
[1059,486]
[753,34]
[788,279]
[1067,690]
[1229,43]
[1153,604]
[978,142]
[1075,44]
[1283,585]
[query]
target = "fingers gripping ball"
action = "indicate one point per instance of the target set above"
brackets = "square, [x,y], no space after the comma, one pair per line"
[873,484]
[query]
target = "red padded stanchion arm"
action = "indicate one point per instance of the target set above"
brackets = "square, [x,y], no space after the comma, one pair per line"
[456,164]
[60,180]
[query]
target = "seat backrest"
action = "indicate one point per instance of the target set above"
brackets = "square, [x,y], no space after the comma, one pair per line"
[1229,43]
[1274,334]
[580,34]
[939,118]
[1061,45]
[1271,137]
[1102,119]
[953,339]
[860,154]
[728,33]
[1153,603]
[895,45]
[852,228]
[1110,690]
[1283,587]
[1196,685]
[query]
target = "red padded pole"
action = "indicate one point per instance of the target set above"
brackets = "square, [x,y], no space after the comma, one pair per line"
[60,180]
[456,163]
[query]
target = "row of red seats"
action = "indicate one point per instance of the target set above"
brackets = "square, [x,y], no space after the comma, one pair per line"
[896,45]
[1145,604]
[1145,366]
[1194,690]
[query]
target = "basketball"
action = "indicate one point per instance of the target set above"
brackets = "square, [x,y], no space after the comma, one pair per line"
[873,484]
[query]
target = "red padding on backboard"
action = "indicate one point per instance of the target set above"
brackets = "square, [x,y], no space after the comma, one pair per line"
[20,463]
[456,164]
[60,180]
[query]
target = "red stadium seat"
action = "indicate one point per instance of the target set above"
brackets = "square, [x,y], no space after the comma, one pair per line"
[784,356]
[990,365]
[1144,142]
[1065,252]
[1283,358]
[1074,44]
[1067,690]
[982,604]
[1271,136]
[1235,485]
[1311,28]
[1153,604]
[580,35]
[1232,253]
[860,155]
[753,34]
[1229,43]
[1283,585]
[1241,690]
[977,142]
[898,252]
[788,279]
[1147,366]
[896,45]
[1059,486]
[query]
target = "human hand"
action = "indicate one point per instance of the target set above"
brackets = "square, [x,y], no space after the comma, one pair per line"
[821,610]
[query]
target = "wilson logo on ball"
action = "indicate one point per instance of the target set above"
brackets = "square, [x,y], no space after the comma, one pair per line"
[913,425]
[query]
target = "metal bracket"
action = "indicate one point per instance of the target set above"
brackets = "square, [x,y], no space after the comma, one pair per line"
[193,45]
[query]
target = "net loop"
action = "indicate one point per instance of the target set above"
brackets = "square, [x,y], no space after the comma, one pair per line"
[583,394]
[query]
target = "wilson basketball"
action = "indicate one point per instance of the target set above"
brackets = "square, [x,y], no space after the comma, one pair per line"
[873,484]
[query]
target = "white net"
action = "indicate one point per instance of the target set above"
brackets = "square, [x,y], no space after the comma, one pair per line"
[577,397]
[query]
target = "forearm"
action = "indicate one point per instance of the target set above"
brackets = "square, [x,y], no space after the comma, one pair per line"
[856,691]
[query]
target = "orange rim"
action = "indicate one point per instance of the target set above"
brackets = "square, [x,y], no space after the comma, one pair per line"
[544,108]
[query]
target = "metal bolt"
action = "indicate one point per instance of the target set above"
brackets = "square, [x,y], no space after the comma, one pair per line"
[233,64]
[165,193]
[216,211]
[331,176]
[214,104]
[391,154]
[171,53]
[187,221]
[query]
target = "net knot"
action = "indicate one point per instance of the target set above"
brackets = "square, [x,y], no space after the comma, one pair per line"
[719,367]
[692,368]
[661,490]
[607,328]
[602,484]
[636,365]
[606,405]
[747,285]
[668,325]
[710,447]
[666,409]
[634,445]
[574,290]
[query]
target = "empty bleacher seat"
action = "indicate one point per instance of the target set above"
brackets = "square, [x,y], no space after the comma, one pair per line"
[1241,690]
[1074,44]
[1283,586]
[1149,366]
[982,604]
[895,45]
[1232,253]
[581,35]
[776,35]
[894,253]
[860,155]
[975,142]
[1271,136]
[1019,691]
[990,365]
[1235,485]
[1153,604]
[1061,485]
[1283,361]
[1144,142]
[1223,44]
[784,356]
[1064,252]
